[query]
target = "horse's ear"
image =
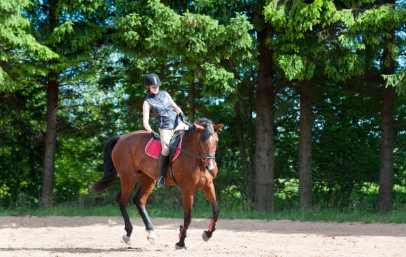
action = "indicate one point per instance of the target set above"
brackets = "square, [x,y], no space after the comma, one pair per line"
[199,127]
[218,126]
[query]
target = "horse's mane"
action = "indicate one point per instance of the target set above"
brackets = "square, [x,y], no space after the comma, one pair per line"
[208,131]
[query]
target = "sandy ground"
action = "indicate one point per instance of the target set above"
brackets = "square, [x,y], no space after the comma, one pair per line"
[101,236]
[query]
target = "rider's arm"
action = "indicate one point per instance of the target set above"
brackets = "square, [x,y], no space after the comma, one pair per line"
[145,116]
[174,105]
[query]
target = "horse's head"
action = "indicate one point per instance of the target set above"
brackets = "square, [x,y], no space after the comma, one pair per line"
[208,141]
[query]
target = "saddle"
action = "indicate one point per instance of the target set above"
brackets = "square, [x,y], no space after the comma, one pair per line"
[153,148]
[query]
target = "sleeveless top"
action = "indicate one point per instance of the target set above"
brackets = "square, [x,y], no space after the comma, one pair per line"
[162,110]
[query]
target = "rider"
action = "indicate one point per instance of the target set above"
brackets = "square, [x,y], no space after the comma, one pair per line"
[170,118]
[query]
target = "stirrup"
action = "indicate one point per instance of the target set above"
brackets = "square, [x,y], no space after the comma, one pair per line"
[161,182]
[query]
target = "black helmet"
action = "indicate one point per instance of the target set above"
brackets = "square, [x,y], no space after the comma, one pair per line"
[152,80]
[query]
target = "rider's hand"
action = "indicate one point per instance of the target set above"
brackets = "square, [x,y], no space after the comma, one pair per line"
[155,136]
[182,117]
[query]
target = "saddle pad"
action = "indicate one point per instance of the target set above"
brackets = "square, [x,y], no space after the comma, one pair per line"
[153,148]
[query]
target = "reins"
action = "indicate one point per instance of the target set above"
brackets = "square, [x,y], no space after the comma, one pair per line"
[207,156]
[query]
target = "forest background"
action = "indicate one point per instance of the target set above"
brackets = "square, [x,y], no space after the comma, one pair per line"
[312,95]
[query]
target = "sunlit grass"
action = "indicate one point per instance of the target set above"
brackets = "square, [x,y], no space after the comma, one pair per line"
[359,206]
[228,211]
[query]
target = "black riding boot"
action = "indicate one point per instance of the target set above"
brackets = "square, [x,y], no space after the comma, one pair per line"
[163,164]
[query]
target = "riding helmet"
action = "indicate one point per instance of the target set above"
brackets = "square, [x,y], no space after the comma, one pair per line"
[152,80]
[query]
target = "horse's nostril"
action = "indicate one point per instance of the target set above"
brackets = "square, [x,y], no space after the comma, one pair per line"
[210,167]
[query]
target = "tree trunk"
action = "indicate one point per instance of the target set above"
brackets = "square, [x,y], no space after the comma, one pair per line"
[50,142]
[305,147]
[264,151]
[192,102]
[385,195]
[250,133]
[247,167]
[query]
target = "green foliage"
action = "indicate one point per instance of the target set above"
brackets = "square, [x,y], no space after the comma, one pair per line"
[197,43]
[58,38]
[306,40]
[217,78]
[5,80]
[398,81]
[21,147]
[16,43]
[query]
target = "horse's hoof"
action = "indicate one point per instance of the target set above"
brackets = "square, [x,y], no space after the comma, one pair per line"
[151,236]
[205,237]
[127,239]
[178,247]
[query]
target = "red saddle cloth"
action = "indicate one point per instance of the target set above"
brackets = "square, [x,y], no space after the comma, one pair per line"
[153,148]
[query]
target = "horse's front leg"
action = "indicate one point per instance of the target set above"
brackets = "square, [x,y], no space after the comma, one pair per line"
[210,193]
[187,218]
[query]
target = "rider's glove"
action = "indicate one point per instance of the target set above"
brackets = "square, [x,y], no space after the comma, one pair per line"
[182,117]
[155,136]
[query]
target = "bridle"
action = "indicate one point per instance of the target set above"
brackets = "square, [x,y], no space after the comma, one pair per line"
[207,156]
[204,157]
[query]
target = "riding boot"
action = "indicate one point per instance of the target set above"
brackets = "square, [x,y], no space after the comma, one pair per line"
[163,164]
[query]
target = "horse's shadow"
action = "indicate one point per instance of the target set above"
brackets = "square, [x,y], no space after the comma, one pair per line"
[78,250]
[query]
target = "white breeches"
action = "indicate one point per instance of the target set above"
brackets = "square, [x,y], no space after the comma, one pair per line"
[166,135]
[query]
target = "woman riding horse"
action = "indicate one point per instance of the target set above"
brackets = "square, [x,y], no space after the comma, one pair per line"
[168,113]
[195,168]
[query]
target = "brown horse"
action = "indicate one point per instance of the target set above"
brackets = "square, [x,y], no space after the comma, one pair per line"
[194,169]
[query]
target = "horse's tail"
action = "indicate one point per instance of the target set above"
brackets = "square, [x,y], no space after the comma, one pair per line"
[110,172]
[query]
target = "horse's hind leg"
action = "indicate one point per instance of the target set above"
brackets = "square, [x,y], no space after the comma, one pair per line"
[140,200]
[210,193]
[127,185]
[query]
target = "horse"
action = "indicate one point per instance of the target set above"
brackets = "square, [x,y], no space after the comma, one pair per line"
[194,168]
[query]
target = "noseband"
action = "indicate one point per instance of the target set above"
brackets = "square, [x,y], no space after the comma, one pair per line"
[207,156]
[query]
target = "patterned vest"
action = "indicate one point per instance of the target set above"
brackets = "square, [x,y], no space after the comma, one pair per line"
[162,109]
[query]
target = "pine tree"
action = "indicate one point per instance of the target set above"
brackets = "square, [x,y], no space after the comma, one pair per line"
[72,30]
[374,30]
[196,47]
[17,45]
[333,40]
[305,49]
